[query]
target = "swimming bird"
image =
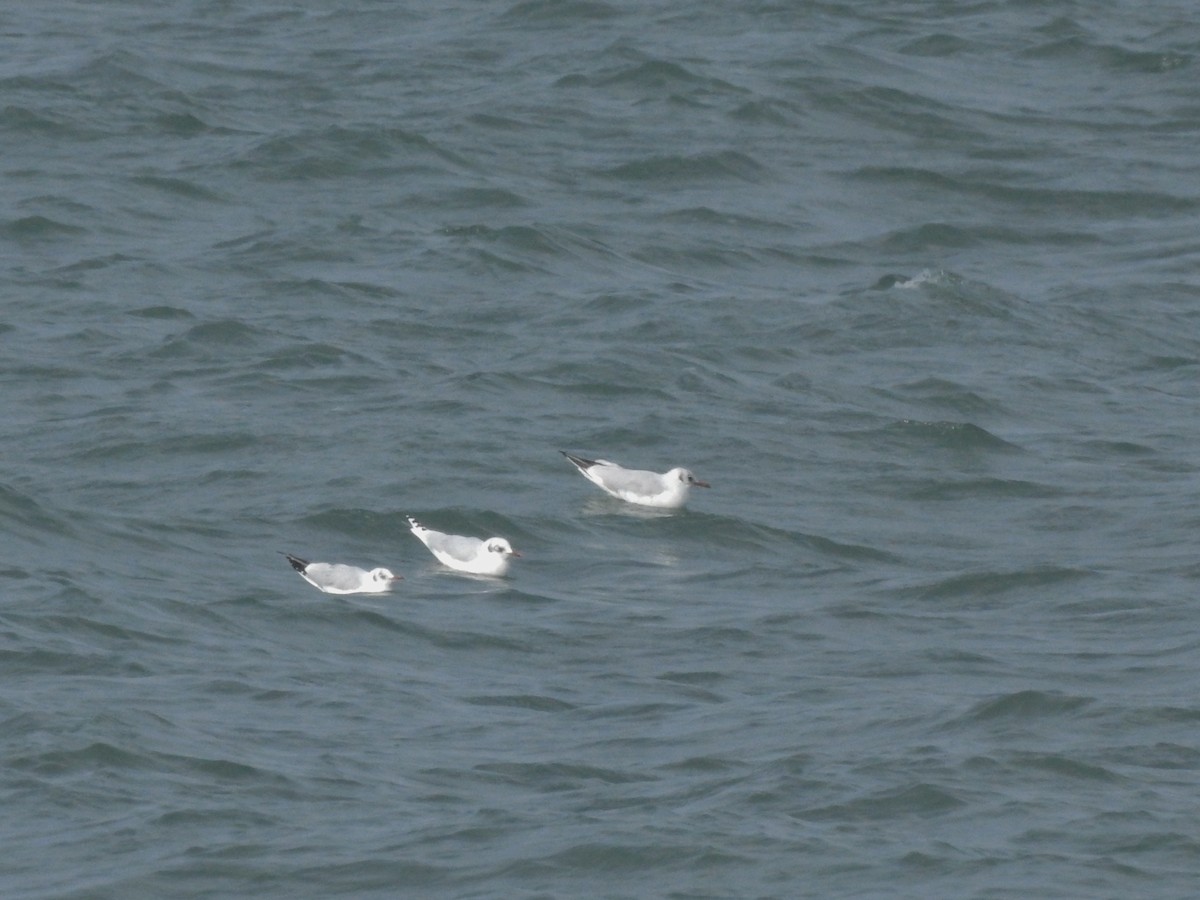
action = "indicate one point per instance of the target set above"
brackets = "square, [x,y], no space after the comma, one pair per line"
[666,491]
[466,554]
[335,578]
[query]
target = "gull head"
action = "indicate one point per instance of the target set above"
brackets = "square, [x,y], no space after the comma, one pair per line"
[500,547]
[687,477]
[384,576]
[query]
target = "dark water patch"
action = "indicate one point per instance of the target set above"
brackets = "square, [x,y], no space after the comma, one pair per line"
[48,373]
[351,522]
[936,237]
[1112,58]
[181,188]
[226,770]
[1040,582]
[196,443]
[703,765]
[962,661]
[701,168]
[96,630]
[683,258]
[608,858]
[499,123]
[663,77]
[79,662]
[1061,766]
[919,801]
[234,687]
[1098,204]
[1084,204]
[23,515]
[470,198]
[948,394]
[272,249]
[900,112]
[369,289]
[951,488]
[219,335]
[939,291]
[532,702]
[445,638]
[488,262]
[340,152]
[1161,755]
[223,818]
[559,12]
[526,247]
[311,355]
[930,309]
[794,382]
[1118,449]
[955,437]
[938,46]
[858,553]
[95,263]
[932,236]
[115,72]
[210,342]
[622,303]
[1026,706]
[602,378]
[162,312]
[183,125]
[721,637]
[553,777]
[707,217]
[98,755]
[765,112]
[635,712]
[22,120]
[1072,517]
[366,874]
[38,228]
[1171,363]
[372,618]
[1139,843]
[295,291]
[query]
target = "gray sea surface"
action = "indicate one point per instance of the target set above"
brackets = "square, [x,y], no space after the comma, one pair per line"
[915,285]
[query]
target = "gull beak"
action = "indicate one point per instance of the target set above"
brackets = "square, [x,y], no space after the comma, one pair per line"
[515,553]
[696,483]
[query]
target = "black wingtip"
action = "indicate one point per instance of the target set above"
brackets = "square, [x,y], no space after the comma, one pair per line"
[297,563]
[579,461]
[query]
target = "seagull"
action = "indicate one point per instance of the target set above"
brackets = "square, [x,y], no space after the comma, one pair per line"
[466,554]
[666,491]
[338,579]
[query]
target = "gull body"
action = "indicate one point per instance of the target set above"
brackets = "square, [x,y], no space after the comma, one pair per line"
[466,554]
[335,578]
[668,490]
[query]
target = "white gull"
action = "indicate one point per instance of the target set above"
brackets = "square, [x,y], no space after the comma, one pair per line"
[666,491]
[466,554]
[335,578]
